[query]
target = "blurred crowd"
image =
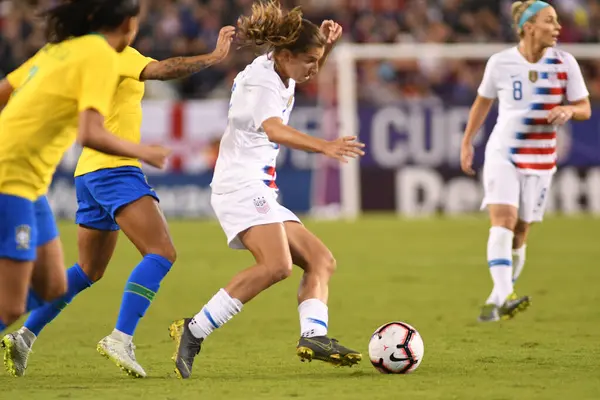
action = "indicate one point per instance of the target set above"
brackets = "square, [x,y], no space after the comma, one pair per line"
[188,27]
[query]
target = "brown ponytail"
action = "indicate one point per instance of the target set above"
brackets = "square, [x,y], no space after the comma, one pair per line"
[269,26]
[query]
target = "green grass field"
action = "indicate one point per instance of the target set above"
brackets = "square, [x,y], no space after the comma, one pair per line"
[429,273]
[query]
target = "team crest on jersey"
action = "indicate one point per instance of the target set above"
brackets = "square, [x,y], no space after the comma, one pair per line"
[23,237]
[261,205]
[533,76]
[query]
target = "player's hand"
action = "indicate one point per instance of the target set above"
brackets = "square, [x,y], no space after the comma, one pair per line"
[224,43]
[344,148]
[466,158]
[156,156]
[560,115]
[332,31]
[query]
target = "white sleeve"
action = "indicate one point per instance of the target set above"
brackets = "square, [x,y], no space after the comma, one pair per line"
[576,89]
[488,87]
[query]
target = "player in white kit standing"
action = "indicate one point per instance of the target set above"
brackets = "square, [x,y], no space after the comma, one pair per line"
[244,193]
[538,88]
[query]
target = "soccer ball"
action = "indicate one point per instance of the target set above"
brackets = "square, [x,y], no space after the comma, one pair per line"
[396,348]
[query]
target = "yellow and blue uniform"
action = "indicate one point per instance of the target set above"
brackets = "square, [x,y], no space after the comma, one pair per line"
[51,89]
[105,183]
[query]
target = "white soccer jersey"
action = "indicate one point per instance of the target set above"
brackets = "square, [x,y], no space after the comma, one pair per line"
[526,93]
[246,155]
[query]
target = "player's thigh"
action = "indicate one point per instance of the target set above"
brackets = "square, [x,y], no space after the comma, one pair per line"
[145,225]
[96,248]
[125,194]
[269,245]
[308,251]
[49,279]
[18,236]
[501,183]
[535,190]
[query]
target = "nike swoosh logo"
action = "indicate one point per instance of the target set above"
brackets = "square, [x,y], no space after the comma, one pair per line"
[326,347]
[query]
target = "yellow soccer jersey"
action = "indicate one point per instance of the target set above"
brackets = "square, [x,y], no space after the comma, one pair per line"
[61,81]
[125,119]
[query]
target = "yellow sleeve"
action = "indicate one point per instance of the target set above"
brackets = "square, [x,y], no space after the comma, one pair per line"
[132,63]
[99,76]
[18,76]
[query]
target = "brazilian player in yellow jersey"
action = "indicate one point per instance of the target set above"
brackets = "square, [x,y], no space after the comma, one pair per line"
[113,194]
[70,82]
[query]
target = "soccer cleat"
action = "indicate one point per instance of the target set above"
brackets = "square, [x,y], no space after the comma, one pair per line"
[489,313]
[16,353]
[513,305]
[122,354]
[325,349]
[187,347]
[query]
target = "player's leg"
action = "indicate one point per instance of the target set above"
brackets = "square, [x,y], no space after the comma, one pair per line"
[519,248]
[18,236]
[273,262]
[502,188]
[126,195]
[95,250]
[310,254]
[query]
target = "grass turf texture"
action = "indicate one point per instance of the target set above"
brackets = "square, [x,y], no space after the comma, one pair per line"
[429,273]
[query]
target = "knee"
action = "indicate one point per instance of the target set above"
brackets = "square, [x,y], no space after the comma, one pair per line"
[54,289]
[167,251]
[323,264]
[279,268]
[11,312]
[506,221]
[93,271]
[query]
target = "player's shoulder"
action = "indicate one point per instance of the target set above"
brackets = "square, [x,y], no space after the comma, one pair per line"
[560,56]
[261,72]
[129,52]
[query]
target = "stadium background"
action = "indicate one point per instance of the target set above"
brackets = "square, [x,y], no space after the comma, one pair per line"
[397,174]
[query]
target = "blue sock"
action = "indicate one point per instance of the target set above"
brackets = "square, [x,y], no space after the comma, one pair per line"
[33,301]
[77,281]
[2,326]
[140,290]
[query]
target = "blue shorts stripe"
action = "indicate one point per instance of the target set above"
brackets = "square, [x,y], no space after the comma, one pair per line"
[210,318]
[500,262]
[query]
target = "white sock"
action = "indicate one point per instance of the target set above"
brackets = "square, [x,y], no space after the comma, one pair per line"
[220,309]
[121,337]
[518,262]
[313,318]
[28,336]
[500,262]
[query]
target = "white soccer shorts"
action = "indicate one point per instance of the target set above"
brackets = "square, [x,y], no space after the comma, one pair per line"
[505,184]
[247,207]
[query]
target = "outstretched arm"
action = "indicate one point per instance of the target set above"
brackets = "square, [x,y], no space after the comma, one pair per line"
[333,32]
[180,67]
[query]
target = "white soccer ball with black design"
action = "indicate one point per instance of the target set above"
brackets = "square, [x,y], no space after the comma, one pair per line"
[396,348]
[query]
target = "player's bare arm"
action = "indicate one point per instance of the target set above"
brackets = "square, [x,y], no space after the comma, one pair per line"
[579,110]
[180,67]
[340,149]
[479,112]
[333,32]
